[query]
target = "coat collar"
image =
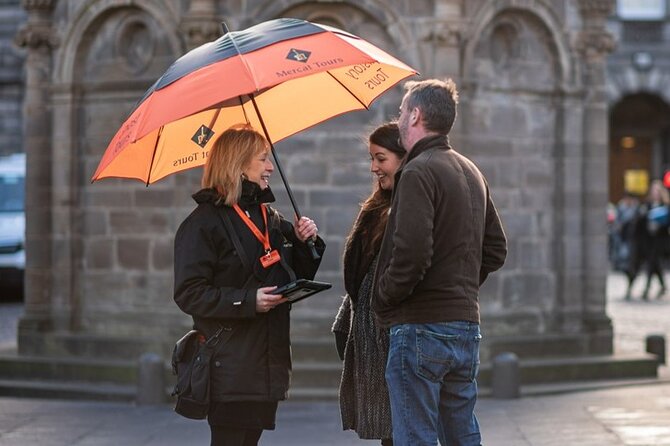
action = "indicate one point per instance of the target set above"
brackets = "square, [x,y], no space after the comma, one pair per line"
[252,194]
[440,142]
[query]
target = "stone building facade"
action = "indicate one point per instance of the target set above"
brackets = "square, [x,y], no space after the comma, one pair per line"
[638,93]
[533,116]
[11,78]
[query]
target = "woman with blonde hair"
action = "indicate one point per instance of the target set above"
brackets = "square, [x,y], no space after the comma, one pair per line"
[231,252]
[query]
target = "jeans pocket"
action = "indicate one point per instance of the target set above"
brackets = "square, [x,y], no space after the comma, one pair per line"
[474,370]
[434,354]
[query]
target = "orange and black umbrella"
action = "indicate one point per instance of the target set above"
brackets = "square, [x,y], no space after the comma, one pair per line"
[280,76]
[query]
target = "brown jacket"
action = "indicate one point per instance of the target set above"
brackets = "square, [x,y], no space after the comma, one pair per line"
[442,240]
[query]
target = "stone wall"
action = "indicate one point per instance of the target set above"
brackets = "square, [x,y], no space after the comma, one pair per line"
[11,78]
[106,269]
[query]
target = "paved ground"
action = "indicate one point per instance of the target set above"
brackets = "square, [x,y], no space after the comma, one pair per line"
[630,416]
[635,319]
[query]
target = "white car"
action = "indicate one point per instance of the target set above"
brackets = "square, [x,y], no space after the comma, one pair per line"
[12,221]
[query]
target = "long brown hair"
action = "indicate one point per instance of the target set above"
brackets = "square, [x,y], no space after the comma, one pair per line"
[231,153]
[373,215]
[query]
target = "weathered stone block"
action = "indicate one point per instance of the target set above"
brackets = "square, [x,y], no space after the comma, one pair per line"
[340,220]
[304,170]
[132,222]
[534,255]
[528,290]
[133,254]
[519,223]
[162,254]
[99,254]
[335,198]
[152,197]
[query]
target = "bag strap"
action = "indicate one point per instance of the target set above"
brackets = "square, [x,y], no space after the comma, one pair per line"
[232,235]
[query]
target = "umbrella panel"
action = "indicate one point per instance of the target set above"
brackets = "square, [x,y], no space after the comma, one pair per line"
[286,109]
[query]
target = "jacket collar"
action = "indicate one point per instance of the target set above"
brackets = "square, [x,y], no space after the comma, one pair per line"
[440,142]
[252,194]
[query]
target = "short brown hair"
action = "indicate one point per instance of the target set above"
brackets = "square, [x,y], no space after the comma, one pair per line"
[230,154]
[437,100]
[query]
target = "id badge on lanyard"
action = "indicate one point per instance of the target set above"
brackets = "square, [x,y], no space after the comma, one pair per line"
[271,256]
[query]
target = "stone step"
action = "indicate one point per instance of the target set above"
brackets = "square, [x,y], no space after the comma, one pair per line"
[72,369]
[587,368]
[70,390]
[316,349]
[314,376]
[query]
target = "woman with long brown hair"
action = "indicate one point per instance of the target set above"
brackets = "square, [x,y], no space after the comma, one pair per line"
[364,402]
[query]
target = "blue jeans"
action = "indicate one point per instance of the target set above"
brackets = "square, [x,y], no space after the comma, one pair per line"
[431,375]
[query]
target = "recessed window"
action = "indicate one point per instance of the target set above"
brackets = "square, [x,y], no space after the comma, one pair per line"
[641,9]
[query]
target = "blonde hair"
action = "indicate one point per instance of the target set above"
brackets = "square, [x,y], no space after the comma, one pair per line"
[231,153]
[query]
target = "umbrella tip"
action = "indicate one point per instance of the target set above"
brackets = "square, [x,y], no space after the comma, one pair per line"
[224,27]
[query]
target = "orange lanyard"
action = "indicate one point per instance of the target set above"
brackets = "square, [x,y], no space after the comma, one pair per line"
[263,238]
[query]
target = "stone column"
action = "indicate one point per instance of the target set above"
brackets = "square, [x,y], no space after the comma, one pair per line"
[594,43]
[442,40]
[200,25]
[39,39]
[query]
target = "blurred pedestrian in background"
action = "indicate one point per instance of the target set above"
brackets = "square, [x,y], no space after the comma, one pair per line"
[628,239]
[657,215]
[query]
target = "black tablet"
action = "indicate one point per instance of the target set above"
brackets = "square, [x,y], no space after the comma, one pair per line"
[300,289]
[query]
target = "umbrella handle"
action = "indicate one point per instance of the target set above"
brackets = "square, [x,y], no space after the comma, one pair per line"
[312,249]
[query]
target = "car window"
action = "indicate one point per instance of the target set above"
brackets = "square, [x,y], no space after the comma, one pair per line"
[12,190]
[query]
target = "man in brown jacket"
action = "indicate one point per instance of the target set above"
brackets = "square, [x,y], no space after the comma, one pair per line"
[442,239]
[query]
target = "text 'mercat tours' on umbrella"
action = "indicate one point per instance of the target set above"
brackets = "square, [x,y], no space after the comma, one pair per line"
[280,76]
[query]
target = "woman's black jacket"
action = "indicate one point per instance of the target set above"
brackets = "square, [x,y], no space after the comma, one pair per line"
[216,284]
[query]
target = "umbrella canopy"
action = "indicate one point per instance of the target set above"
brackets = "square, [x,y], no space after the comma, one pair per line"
[281,76]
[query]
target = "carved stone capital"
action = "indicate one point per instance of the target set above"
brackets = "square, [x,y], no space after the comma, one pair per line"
[595,8]
[34,36]
[443,34]
[595,45]
[199,30]
[38,5]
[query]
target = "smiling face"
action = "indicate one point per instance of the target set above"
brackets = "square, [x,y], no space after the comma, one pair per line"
[260,169]
[384,164]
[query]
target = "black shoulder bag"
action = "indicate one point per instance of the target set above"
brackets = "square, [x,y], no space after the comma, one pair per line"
[192,354]
[191,363]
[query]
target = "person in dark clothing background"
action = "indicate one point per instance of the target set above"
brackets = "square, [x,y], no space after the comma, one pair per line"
[364,402]
[442,239]
[655,211]
[231,252]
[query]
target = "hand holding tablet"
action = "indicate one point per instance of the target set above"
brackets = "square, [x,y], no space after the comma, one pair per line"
[301,289]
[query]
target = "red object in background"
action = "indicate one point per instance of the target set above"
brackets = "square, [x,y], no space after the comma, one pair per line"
[666,179]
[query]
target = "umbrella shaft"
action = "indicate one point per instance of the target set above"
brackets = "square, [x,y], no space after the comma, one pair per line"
[283,178]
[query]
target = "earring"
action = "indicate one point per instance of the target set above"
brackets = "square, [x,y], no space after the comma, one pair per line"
[244,176]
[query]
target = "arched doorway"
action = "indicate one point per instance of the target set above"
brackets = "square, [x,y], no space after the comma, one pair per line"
[639,144]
